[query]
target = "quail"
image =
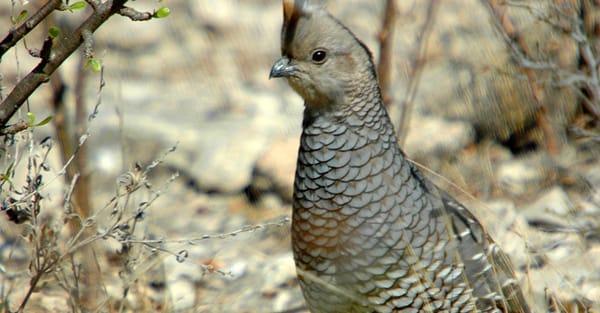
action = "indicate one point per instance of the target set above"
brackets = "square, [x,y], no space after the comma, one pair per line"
[370,233]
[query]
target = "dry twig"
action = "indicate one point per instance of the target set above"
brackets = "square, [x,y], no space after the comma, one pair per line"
[60,52]
[386,36]
[414,77]
[15,35]
[519,47]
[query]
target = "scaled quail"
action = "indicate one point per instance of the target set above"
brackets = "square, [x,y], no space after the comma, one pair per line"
[369,232]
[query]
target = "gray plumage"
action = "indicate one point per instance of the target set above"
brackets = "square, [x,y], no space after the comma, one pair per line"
[369,232]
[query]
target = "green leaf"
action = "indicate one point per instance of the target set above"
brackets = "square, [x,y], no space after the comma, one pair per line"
[54,32]
[162,12]
[9,169]
[21,16]
[5,177]
[30,118]
[45,121]
[77,6]
[94,63]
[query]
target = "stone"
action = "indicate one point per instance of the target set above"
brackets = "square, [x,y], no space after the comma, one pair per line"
[551,210]
[278,164]
[520,176]
[431,135]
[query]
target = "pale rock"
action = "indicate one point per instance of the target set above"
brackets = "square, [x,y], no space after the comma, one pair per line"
[590,207]
[182,294]
[509,229]
[551,210]
[520,176]
[431,135]
[237,269]
[278,165]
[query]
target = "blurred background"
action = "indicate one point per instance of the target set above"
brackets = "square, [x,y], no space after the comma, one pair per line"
[184,181]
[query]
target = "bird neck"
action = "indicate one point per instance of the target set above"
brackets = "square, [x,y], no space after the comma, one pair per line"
[360,110]
[361,124]
[357,92]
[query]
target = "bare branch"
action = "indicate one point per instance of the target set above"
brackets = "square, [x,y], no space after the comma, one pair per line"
[592,83]
[197,239]
[15,35]
[64,48]
[520,50]
[135,15]
[88,44]
[94,4]
[418,63]
[14,128]
[385,53]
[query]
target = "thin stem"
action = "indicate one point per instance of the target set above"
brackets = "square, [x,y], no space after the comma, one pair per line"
[418,63]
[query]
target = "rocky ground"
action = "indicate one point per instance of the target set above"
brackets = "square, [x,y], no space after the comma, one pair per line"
[199,80]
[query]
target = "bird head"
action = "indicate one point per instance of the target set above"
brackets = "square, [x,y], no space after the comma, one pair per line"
[321,59]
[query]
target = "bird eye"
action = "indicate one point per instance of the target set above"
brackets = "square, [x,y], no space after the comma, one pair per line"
[319,56]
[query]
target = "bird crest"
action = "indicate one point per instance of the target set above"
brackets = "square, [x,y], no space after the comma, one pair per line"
[293,10]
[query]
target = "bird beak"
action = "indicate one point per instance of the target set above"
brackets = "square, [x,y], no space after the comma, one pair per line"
[282,68]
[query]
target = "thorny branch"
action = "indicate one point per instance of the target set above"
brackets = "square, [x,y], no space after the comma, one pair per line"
[195,240]
[47,259]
